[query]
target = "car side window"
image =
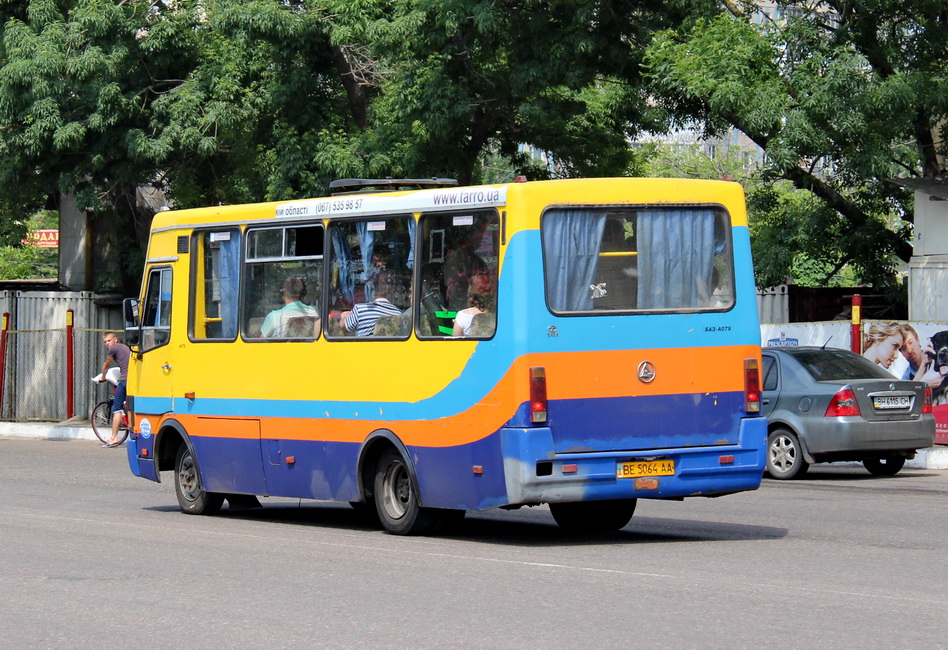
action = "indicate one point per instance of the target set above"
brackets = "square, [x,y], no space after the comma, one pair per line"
[770,373]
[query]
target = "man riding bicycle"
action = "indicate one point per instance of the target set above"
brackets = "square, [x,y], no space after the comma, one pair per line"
[119,353]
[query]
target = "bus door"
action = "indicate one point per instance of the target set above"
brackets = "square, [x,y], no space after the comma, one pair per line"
[155,367]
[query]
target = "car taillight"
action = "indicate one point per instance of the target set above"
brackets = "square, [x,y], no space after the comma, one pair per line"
[927,403]
[751,386]
[537,394]
[843,403]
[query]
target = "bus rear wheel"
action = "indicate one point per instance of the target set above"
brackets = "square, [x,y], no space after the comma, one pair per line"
[396,500]
[192,497]
[593,516]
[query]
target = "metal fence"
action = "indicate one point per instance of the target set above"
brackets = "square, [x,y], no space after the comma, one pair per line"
[35,364]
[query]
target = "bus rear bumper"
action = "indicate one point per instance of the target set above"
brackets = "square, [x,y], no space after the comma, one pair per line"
[534,473]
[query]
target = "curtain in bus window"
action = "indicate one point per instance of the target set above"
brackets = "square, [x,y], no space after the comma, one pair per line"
[676,249]
[367,248]
[571,242]
[229,275]
[411,250]
[344,260]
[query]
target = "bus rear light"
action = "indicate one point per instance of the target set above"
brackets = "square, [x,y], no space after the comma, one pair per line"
[751,386]
[537,394]
[843,403]
[927,403]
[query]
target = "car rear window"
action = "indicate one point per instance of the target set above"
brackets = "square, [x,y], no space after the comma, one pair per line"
[834,365]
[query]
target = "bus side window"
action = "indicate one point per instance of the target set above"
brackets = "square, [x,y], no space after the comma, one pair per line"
[217,270]
[371,275]
[460,255]
[156,314]
[283,282]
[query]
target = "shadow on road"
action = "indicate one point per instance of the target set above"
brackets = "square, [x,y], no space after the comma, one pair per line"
[526,527]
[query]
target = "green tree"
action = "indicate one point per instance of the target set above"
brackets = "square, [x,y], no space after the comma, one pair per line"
[99,98]
[449,82]
[842,97]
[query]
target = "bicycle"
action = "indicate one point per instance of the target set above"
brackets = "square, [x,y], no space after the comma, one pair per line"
[102,414]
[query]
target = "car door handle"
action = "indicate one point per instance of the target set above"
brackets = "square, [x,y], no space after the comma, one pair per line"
[766,401]
[166,367]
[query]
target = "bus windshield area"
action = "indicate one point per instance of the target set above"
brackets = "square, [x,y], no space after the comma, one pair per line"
[638,259]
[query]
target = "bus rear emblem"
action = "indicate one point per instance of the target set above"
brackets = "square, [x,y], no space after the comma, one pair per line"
[646,372]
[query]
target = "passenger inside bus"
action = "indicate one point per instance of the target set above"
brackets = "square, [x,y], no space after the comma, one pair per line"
[464,321]
[361,319]
[295,319]
[463,268]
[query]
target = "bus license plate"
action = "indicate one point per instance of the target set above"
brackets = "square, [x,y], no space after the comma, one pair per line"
[900,402]
[635,469]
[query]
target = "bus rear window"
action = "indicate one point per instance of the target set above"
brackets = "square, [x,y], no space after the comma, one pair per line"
[617,259]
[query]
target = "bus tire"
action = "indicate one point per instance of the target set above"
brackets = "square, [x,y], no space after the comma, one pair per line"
[593,516]
[884,466]
[192,497]
[396,500]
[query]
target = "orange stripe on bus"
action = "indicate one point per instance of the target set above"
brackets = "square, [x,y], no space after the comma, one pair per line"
[579,375]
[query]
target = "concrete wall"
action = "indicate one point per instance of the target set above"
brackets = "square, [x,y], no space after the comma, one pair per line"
[928,268]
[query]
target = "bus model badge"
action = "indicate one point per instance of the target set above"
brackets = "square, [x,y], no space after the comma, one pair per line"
[551,331]
[646,372]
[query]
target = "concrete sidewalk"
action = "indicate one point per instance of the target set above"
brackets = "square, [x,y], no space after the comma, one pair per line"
[80,429]
[74,429]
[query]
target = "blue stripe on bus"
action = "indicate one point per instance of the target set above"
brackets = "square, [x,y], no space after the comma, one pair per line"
[509,457]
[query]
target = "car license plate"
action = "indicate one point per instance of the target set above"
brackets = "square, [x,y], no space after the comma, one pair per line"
[638,468]
[899,402]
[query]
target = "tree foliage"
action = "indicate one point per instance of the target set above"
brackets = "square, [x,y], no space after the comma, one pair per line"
[842,97]
[223,101]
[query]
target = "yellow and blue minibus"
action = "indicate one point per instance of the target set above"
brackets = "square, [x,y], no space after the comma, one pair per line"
[420,349]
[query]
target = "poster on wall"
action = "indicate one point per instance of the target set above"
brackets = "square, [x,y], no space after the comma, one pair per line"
[916,350]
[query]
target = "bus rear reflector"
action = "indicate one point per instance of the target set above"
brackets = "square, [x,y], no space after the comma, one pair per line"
[537,394]
[751,386]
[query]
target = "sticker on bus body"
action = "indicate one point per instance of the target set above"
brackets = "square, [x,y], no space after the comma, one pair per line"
[420,201]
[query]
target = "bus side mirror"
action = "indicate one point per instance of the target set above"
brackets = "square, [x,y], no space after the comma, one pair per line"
[132,326]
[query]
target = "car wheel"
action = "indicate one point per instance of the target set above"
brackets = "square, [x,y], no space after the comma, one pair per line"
[884,466]
[784,455]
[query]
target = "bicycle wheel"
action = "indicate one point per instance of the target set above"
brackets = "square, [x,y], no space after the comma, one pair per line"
[102,421]
[123,428]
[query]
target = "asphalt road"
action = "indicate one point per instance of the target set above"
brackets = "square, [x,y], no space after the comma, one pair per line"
[92,556]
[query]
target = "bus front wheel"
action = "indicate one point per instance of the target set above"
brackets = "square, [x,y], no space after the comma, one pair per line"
[396,501]
[187,485]
[593,516]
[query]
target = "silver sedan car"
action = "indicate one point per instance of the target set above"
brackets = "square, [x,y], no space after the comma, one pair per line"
[826,404]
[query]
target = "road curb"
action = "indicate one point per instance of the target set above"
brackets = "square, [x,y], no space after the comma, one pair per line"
[69,430]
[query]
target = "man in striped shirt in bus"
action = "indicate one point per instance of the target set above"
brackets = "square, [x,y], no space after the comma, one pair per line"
[363,317]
